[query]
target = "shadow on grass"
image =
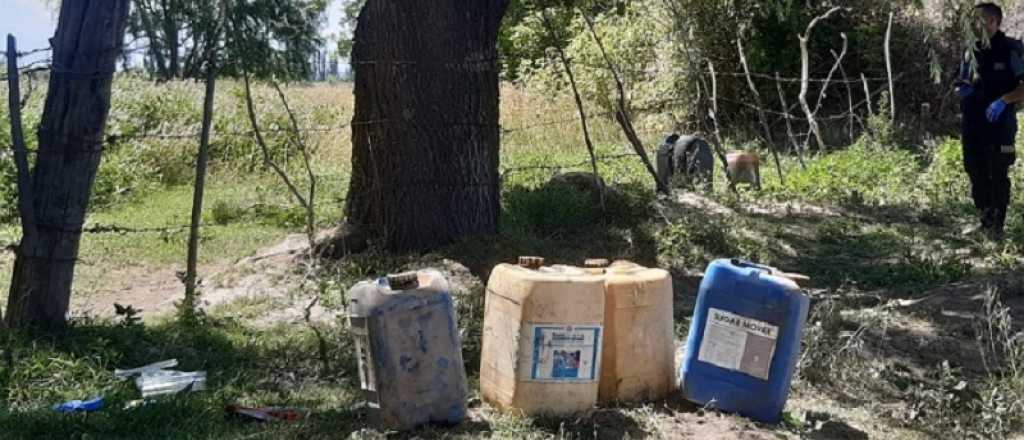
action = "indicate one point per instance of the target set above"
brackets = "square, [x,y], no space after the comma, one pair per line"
[280,367]
[892,247]
[565,225]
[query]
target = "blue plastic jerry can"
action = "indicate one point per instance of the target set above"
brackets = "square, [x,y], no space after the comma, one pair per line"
[744,340]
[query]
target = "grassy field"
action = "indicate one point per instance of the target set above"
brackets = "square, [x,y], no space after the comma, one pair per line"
[911,332]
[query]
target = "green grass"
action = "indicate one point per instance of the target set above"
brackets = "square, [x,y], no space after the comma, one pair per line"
[244,366]
[893,231]
[266,213]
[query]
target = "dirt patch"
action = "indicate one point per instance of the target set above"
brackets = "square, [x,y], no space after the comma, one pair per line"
[271,273]
[714,425]
[152,290]
[275,276]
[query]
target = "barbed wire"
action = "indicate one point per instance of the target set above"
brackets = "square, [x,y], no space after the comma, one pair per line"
[25,53]
[656,71]
[119,229]
[505,172]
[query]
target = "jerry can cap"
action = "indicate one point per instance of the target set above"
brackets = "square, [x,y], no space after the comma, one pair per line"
[531,262]
[404,280]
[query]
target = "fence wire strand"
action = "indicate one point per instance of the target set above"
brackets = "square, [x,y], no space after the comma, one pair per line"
[44,66]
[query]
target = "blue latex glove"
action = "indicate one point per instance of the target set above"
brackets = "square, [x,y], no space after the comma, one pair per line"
[995,110]
[78,405]
[965,90]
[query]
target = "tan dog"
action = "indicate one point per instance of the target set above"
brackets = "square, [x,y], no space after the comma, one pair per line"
[744,167]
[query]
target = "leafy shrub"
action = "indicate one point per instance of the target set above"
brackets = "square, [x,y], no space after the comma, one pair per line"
[119,174]
[944,181]
[865,173]
[698,237]
[225,212]
[557,208]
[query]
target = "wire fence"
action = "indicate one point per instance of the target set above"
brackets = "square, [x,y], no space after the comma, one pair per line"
[855,110]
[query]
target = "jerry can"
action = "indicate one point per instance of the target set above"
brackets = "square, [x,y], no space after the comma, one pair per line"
[638,360]
[410,357]
[744,340]
[542,338]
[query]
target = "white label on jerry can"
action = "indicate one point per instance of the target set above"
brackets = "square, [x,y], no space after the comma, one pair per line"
[738,343]
[565,353]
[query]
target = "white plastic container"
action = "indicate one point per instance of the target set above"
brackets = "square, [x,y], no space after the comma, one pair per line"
[410,356]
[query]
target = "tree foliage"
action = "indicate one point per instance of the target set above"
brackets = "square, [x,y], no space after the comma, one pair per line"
[266,37]
[664,47]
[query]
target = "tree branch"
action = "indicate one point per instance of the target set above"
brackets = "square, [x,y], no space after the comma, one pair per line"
[719,144]
[579,102]
[267,160]
[805,74]
[849,94]
[789,125]
[867,94]
[25,197]
[622,115]
[307,162]
[760,110]
[888,70]
[831,73]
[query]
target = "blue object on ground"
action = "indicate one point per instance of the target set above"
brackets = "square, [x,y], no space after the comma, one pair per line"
[95,404]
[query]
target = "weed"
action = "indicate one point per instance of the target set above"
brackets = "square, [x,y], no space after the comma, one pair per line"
[697,238]
[244,365]
[225,212]
[864,173]
[559,208]
[1001,346]
[895,235]
[834,350]
[469,309]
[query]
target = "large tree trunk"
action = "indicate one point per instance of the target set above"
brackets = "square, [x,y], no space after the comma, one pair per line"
[89,39]
[425,130]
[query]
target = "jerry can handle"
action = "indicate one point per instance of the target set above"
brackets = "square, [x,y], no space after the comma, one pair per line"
[403,281]
[795,277]
[744,263]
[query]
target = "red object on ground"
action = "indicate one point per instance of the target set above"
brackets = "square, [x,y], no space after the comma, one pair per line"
[269,413]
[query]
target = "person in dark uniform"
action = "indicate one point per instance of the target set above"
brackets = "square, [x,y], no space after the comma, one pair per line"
[990,83]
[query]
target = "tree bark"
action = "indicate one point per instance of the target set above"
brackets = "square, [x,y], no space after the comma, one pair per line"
[425,132]
[86,46]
